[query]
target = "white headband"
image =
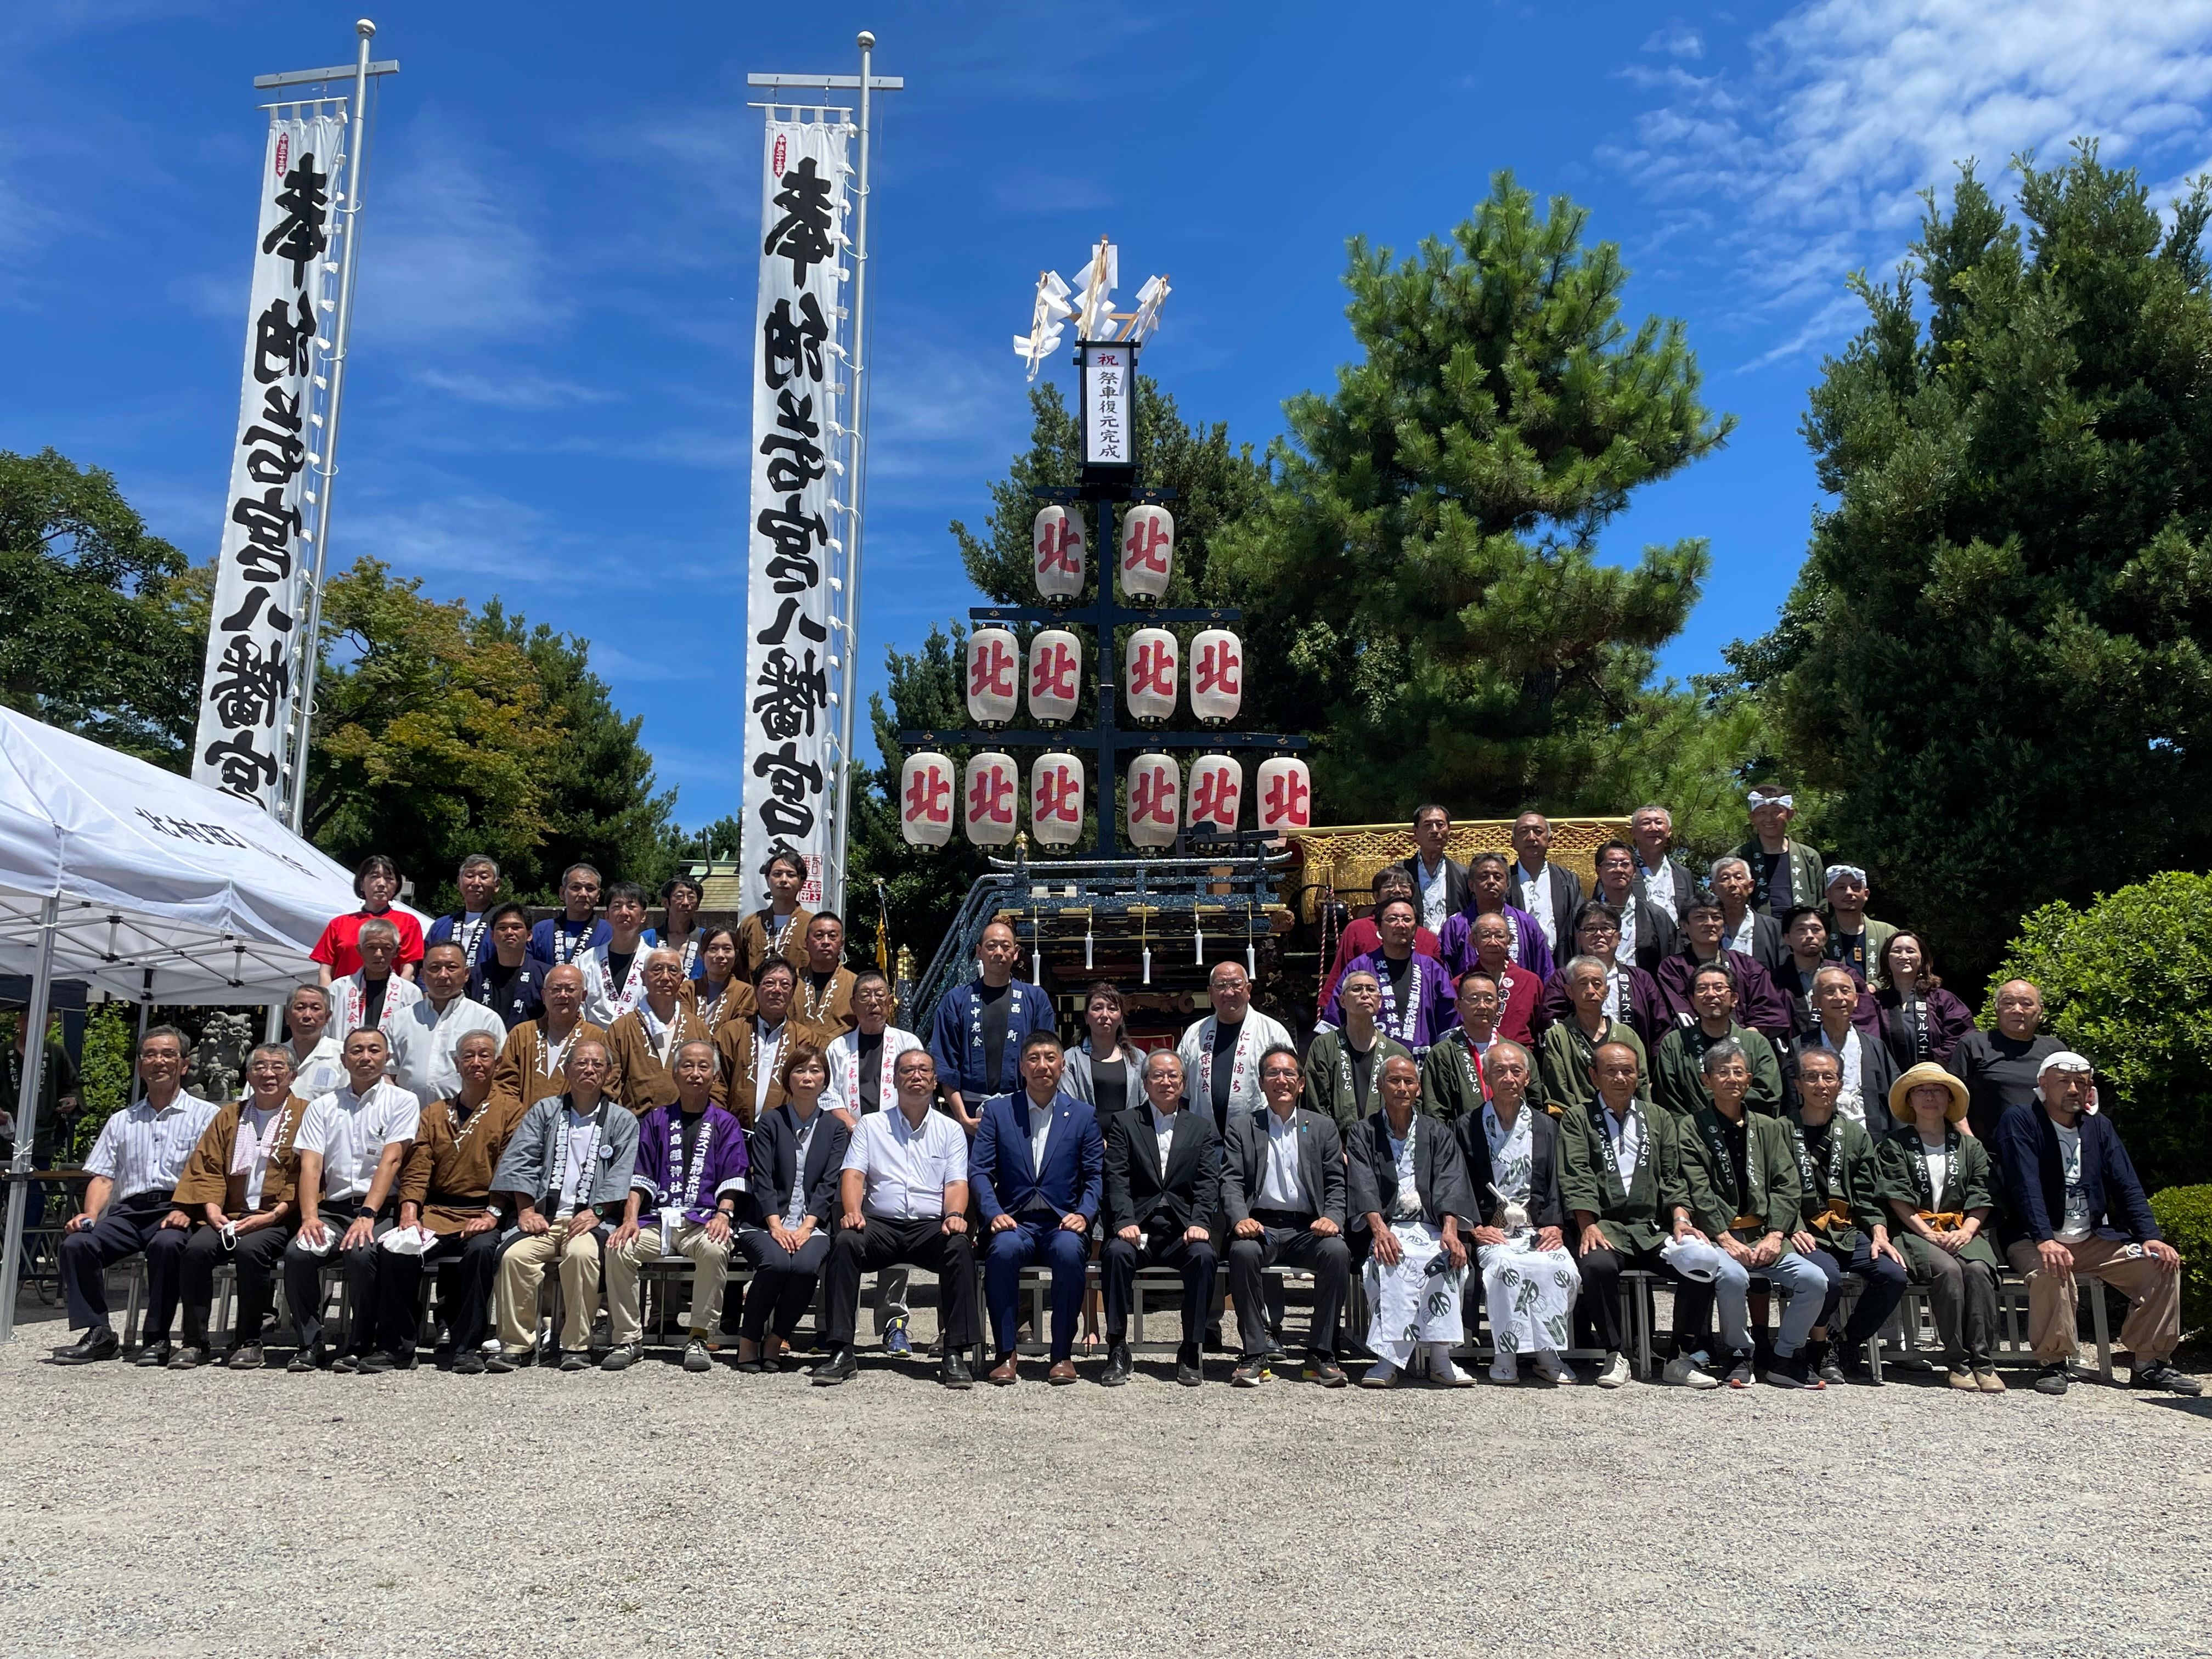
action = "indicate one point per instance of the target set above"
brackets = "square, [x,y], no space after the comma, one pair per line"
[1760,798]
[1836,872]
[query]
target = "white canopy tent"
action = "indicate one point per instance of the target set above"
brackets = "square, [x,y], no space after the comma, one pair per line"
[147,885]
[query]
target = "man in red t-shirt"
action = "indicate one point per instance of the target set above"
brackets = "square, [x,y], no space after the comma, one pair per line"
[377,882]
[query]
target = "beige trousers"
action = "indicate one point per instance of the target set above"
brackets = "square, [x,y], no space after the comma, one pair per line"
[522,1270]
[2153,1322]
[710,1263]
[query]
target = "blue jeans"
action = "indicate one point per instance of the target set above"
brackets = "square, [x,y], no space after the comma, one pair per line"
[1063,1251]
[1794,1275]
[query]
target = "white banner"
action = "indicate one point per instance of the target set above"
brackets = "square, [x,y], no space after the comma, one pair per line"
[253,640]
[800,385]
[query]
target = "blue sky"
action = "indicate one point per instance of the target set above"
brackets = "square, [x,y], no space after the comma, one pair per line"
[548,392]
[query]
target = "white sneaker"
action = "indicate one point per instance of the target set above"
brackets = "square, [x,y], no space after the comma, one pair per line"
[1616,1374]
[1683,1371]
[1554,1370]
[1443,1373]
[1379,1374]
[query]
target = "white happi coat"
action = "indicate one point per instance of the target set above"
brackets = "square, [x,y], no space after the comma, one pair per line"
[1259,1035]
[845,1071]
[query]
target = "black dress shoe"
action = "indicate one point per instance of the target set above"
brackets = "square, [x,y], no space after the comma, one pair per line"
[955,1374]
[469,1365]
[188,1357]
[98,1343]
[1117,1364]
[154,1354]
[376,1364]
[2159,1374]
[1189,1371]
[840,1367]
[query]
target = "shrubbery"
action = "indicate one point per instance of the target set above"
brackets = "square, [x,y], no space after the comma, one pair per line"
[2185,1215]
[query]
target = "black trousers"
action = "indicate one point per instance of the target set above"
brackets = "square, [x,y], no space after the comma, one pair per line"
[124,1228]
[466,1268]
[361,1269]
[1600,1298]
[884,1243]
[1326,1256]
[1117,1271]
[255,1256]
[1881,1287]
[783,1283]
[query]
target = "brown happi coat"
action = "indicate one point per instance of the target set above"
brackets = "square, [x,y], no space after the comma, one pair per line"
[830,1009]
[520,1079]
[734,1043]
[646,1083]
[447,1171]
[207,1178]
[753,945]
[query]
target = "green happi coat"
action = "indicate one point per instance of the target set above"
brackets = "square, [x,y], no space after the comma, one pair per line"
[1563,1063]
[1329,1089]
[1767,1186]
[1450,1088]
[1849,1172]
[1903,1179]
[1642,1218]
[1678,1076]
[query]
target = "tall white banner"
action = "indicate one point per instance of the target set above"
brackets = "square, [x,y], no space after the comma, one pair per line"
[254,643]
[800,377]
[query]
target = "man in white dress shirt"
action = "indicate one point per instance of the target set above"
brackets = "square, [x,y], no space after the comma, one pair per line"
[134,1165]
[903,1198]
[860,1081]
[318,1066]
[349,1147]
[1220,1054]
[1283,1183]
[425,1037]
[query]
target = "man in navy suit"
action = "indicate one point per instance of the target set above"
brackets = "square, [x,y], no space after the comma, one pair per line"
[1037,1169]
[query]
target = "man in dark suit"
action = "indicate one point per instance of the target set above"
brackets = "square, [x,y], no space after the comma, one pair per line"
[1648,934]
[1162,1188]
[1547,891]
[2074,1208]
[1037,1169]
[1660,878]
[1440,884]
[1283,1186]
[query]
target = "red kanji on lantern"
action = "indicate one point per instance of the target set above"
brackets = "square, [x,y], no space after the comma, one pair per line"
[1286,795]
[1052,672]
[1059,547]
[1146,545]
[1154,669]
[1152,797]
[991,797]
[992,671]
[929,798]
[1216,793]
[1059,795]
[1221,668]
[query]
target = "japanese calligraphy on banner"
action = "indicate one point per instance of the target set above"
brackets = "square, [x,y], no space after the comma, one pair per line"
[254,643]
[799,476]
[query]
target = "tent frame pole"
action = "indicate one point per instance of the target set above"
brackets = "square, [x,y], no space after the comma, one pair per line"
[27,1107]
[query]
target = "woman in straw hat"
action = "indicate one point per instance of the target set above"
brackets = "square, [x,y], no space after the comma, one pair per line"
[1935,1181]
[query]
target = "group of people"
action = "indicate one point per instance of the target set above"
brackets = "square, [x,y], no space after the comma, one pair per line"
[1514,1094]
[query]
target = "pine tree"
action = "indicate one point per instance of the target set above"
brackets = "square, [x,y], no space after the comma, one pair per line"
[1421,585]
[1993,661]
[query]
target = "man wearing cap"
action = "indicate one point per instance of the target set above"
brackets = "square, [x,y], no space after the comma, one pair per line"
[1935,1181]
[1785,873]
[2075,1207]
[1999,1068]
[1855,939]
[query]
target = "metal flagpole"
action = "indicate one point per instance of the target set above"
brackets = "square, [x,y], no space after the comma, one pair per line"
[26,1106]
[866,83]
[309,655]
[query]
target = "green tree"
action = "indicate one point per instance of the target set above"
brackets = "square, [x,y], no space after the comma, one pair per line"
[431,733]
[2127,980]
[601,807]
[1422,583]
[1992,662]
[95,635]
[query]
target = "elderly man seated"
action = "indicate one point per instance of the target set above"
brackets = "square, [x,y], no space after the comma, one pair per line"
[2074,1208]
[1530,1279]
[1409,1197]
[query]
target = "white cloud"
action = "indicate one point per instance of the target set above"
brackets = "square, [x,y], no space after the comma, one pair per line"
[1677,39]
[449,253]
[1811,162]
[512,389]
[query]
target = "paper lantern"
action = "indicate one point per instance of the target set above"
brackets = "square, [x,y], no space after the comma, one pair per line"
[1147,552]
[1148,674]
[1056,799]
[994,676]
[1216,676]
[994,786]
[925,798]
[1216,792]
[1155,800]
[1056,535]
[1055,675]
[1286,799]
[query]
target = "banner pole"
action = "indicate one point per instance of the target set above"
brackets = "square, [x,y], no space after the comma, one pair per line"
[848,691]
[309,656]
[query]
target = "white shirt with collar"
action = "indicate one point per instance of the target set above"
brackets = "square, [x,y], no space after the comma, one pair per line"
[144,1150]
[1744,933]
[322,1070]
[252,1146]
[1279,1185]
[1625,952]
[1039,1128]
[424,1041]
[907,1168]
[1435,892]
[1659,886]
[1163,1131]
[1627,1144]
[351,1131]
[1536,900]
[1850,1061]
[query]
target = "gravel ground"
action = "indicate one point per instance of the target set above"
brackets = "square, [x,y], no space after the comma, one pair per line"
[148,1512]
